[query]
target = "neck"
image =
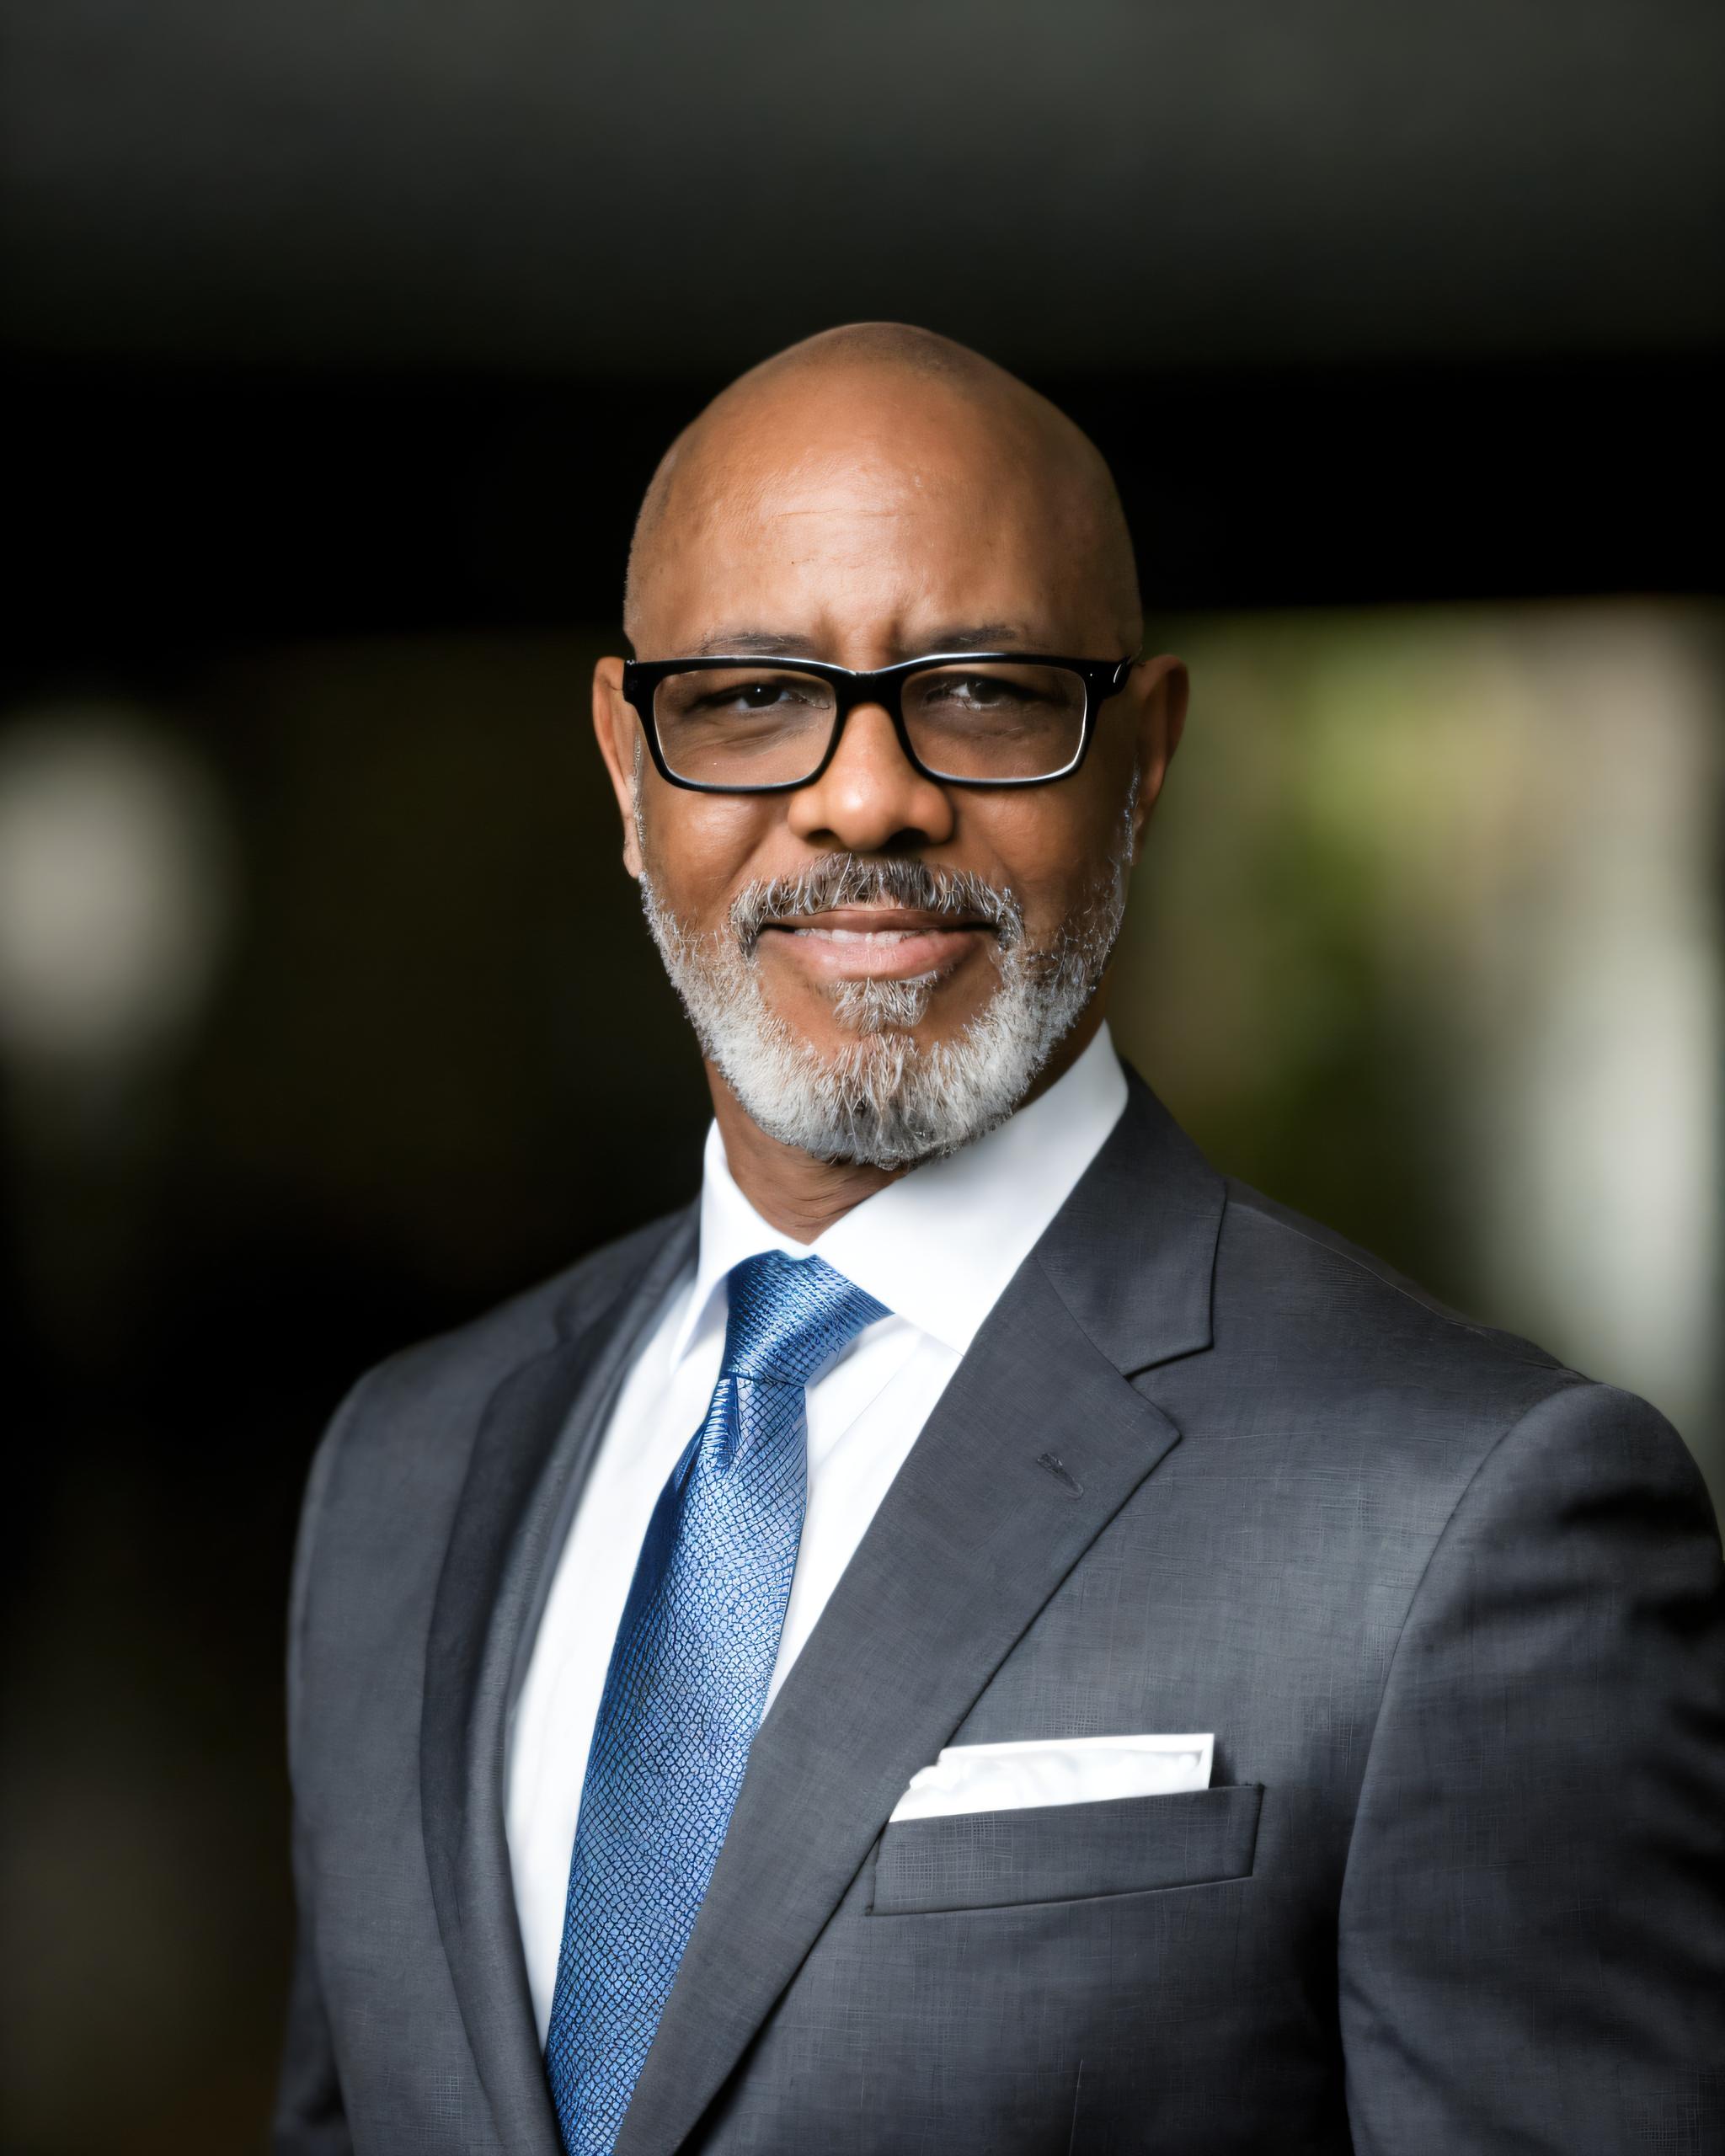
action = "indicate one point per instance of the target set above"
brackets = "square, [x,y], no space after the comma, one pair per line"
[801,1196]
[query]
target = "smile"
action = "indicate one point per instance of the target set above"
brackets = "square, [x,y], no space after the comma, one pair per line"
[875,942]
[859,935]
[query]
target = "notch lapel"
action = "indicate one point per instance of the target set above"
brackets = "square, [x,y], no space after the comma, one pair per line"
[535,1445]
[972,1538]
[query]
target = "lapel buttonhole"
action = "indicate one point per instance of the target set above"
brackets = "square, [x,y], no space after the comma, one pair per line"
[1068,1482]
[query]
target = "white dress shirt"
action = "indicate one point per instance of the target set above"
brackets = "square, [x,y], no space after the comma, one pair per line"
[936,1247]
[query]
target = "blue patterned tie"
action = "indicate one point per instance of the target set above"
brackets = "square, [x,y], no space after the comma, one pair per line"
[687,1686]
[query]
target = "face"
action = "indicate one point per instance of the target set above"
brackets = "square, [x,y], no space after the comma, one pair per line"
[868,932]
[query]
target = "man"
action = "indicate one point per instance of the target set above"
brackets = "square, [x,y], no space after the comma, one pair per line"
[981,1635]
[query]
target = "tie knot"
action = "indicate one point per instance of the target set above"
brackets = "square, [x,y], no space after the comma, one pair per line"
[790,1317]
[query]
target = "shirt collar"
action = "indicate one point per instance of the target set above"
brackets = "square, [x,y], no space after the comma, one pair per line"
[937,1246]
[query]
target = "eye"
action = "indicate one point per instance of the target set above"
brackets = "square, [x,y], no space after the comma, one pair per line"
[751,699]
[977,692]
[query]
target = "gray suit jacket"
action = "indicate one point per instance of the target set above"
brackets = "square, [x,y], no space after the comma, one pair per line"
[1454,1612]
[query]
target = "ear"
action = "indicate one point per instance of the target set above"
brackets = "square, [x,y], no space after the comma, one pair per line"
[620,741]
[1160,687]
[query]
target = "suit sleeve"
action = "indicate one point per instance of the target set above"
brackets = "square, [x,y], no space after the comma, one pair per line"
[309,2117]
[1532,1929]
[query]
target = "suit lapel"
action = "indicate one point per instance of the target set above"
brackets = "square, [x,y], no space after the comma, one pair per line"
[534,1446]
[975,1535]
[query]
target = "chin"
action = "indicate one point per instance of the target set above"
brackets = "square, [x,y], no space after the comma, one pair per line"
[912,1015]
[837,1048]
[886,1096]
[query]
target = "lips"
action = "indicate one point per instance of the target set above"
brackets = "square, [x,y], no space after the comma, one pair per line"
[875,942]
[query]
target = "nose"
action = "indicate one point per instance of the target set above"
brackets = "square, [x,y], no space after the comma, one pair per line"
[871,798]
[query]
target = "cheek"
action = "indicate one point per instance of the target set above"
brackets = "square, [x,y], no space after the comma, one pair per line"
[701,848]
[1048,844]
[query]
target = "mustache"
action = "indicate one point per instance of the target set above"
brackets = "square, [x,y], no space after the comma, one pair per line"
[850,879]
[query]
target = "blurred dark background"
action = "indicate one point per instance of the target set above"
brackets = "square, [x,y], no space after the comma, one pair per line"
[338,343]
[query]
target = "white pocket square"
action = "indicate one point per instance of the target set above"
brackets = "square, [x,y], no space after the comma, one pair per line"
[1055,1770]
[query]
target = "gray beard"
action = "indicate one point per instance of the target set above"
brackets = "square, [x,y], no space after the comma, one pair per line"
[884,1100]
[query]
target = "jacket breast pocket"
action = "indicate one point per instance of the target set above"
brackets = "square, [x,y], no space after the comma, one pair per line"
[1067,1852]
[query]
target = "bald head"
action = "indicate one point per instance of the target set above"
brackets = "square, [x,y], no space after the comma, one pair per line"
[878,432]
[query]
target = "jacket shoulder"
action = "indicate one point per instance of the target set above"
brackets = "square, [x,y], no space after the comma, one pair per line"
[1344,1395]
[392,1462]
[439,1384]
[1345,1327]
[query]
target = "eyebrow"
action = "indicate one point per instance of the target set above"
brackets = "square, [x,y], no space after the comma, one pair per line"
[763,643]
[775,644]
[990,636]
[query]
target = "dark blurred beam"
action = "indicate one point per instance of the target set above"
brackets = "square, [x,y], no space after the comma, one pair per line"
[680,187]
[173,511]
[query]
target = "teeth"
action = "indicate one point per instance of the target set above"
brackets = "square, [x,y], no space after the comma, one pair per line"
[861,935]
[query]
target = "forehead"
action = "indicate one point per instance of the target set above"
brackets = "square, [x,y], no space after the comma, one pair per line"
[865,522]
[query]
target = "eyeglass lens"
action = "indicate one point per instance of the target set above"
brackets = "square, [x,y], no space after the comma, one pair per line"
[770,725]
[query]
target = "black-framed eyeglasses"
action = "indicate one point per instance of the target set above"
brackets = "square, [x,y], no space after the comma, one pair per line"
[740,725]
